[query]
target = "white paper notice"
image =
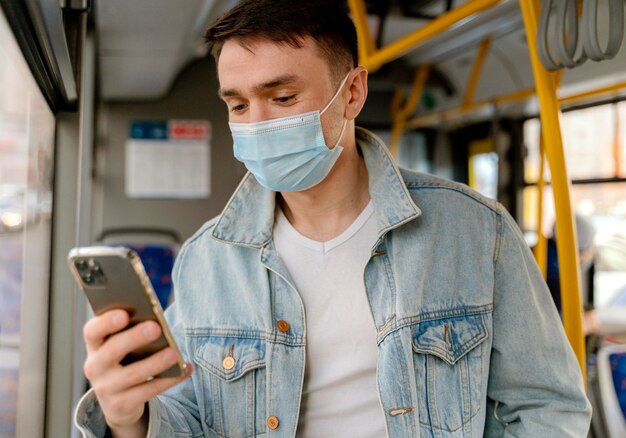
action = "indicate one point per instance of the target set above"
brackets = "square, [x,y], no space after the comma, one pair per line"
[159,169]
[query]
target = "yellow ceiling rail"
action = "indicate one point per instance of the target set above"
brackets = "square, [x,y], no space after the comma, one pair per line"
[481,55]
[566,242]
[374,59]
[541,248]
[429,119]
[401,113]
[593,93]
[512,97]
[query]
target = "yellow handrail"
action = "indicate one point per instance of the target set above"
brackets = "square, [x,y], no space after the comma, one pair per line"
[541,249]
[401,113]
[373,60]
[566,243]
[481,56]
[515,96]
[593,93]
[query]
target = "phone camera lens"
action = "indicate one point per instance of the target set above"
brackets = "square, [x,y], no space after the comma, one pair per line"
[81,264]
[88,279]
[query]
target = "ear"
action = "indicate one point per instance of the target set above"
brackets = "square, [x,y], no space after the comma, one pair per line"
[358,92]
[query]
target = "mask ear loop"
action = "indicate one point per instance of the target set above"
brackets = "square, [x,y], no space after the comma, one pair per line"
[343,127]
[336,94]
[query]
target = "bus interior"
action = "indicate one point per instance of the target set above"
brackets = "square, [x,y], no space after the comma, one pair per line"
[112,132]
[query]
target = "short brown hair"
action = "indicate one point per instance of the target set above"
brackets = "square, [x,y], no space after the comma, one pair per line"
[289,22]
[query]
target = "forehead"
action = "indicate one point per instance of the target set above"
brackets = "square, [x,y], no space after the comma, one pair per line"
[258,61]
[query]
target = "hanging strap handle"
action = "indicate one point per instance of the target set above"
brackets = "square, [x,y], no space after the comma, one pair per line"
[590,29]
[543,50]
[567,34]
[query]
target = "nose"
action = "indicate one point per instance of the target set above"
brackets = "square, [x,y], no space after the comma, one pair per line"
[257,113]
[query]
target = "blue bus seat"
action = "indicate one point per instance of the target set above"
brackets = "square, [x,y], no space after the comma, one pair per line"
[158,260]
[157,249]
[612,380]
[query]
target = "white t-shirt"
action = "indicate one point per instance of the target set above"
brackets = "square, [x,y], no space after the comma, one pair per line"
[340,396]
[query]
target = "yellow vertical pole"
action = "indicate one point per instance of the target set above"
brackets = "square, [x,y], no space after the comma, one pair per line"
[566,241]
[366,44]
[397,119]
[397,100]
[421,75]
[397,129]
[618,145]
[400,113]
[541,249]
[481,55]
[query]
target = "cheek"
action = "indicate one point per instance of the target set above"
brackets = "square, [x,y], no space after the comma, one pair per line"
[332,123]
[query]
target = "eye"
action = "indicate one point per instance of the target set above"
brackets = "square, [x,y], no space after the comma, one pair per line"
[284,99]
[238,108]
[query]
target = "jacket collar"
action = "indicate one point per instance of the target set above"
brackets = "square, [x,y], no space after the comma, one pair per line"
[248,217]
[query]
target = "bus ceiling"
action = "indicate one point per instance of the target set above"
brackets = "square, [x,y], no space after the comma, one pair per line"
[166,38]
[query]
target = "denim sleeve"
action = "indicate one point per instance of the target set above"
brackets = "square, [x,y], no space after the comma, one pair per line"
[164,421]
[535,384]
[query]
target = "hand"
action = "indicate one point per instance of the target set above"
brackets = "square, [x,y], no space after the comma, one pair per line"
[123,391]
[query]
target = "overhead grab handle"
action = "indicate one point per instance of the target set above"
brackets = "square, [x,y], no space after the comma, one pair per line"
[543,47]
[567,34]
[564,14]
[590,29]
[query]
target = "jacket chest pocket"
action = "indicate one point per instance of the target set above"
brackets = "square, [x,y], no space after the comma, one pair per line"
[232,397]
[448,359]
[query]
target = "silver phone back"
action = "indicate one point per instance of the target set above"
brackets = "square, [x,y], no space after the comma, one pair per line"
[114,278]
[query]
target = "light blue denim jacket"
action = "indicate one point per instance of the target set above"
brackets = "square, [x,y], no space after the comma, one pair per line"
[469,341]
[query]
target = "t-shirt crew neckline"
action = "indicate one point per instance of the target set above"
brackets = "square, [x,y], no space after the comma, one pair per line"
[323,247]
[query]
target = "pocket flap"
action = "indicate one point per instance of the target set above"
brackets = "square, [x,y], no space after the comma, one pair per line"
[247,354]
[449,338]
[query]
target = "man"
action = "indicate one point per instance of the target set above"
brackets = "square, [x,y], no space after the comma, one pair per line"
[337,295]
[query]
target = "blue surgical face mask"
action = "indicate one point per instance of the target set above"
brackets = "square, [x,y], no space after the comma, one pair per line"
[288,154]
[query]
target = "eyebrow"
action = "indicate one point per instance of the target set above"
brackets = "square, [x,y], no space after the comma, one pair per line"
[274,83]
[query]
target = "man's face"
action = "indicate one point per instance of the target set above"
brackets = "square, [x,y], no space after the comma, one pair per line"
[270,80]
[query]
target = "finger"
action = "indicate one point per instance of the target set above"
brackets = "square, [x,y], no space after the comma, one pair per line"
[143,370]
[98,328]
[116,347]
[148,390]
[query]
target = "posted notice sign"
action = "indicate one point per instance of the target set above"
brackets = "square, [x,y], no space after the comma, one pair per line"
[169,159]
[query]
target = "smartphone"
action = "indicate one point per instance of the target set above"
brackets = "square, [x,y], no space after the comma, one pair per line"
[114,278]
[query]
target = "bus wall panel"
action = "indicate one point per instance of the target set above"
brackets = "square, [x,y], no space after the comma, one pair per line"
[193,96]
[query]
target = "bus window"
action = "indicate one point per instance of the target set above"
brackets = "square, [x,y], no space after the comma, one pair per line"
[483,167]
[594,141]
[26,165]
[605,204]
[413,152]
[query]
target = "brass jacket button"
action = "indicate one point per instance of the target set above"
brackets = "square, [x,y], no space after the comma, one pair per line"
[283,326]
[272,422]
[228,363]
